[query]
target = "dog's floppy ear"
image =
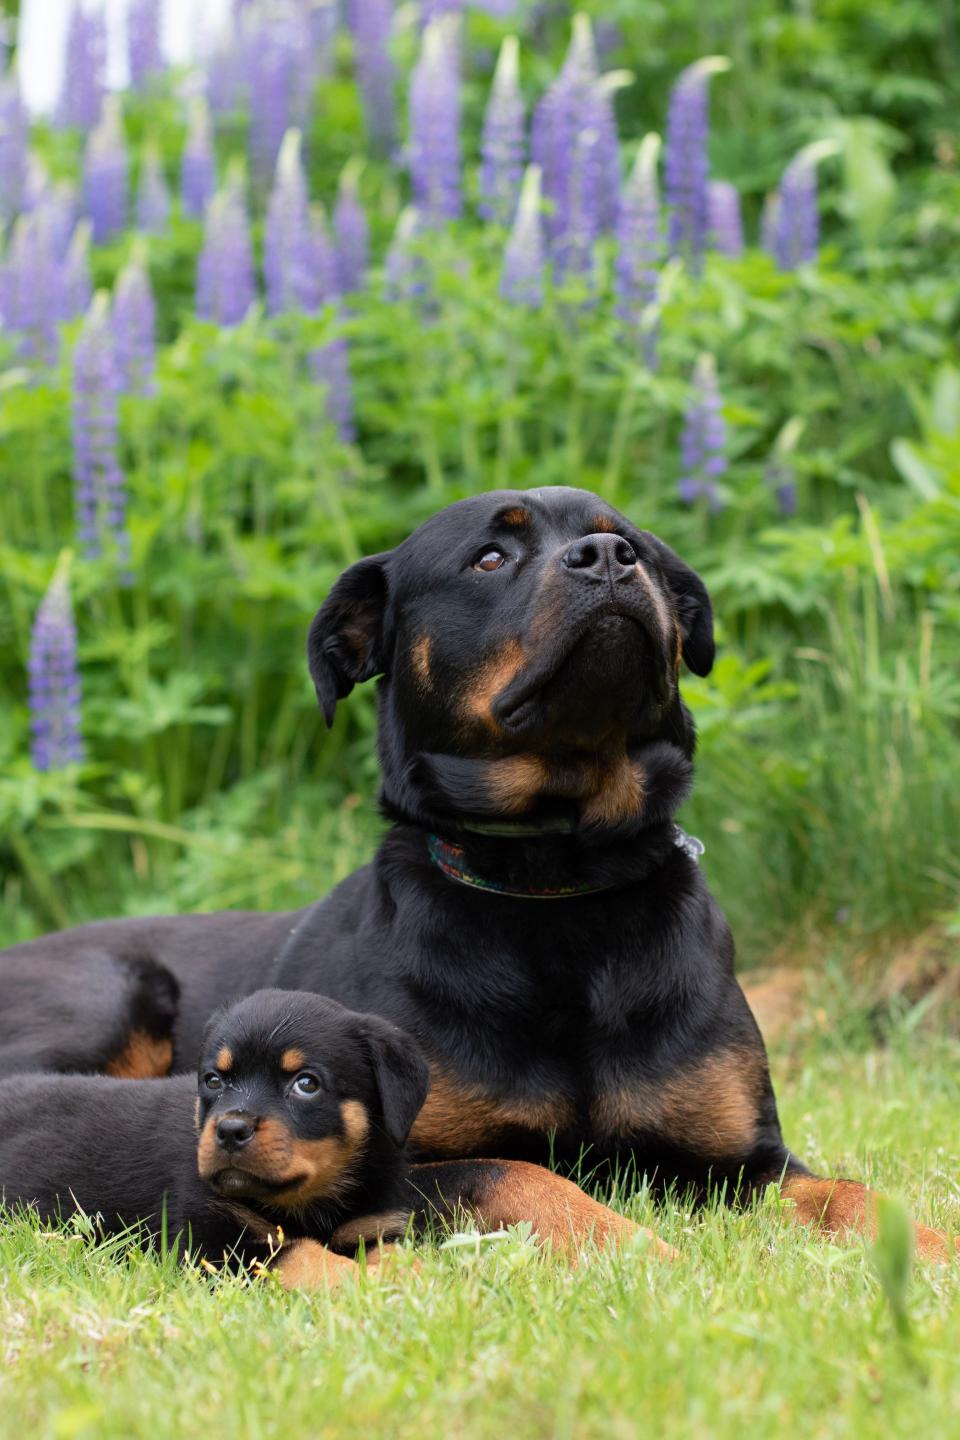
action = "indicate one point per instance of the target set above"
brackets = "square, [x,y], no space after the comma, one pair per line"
[401,1072]
[345,643]
[694,610]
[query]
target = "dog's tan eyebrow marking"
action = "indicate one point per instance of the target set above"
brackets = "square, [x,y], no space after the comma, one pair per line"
[604,525]
[516,518]
[224,1058]
[292,1060]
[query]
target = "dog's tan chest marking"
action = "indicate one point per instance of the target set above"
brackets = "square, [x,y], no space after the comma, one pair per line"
[458,1118]
[711,1109]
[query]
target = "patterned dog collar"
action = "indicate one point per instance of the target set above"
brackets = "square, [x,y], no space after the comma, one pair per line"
[450,859]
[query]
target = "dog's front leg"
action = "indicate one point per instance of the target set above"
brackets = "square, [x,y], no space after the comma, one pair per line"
[845,1207]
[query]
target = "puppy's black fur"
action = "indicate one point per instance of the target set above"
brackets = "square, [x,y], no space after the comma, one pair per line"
[533,744]
[297,1118]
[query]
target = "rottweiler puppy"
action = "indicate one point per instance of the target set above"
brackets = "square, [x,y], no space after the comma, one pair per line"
[534,917]
[294,1125]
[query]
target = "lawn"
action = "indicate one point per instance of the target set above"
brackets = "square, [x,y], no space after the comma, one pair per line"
[756,1328]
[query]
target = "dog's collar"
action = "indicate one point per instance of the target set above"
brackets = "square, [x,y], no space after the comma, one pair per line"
[450,860]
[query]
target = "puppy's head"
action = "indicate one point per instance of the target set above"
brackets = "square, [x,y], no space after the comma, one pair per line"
[298,1097]
[530,642]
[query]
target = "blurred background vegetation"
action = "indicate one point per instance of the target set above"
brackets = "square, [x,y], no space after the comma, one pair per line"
[829,764]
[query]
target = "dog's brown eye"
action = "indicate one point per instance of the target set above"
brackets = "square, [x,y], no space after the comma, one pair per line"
[212,1080]
[489,560]
[305,1084]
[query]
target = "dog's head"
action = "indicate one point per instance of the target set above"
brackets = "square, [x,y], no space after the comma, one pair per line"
[531,644]
[296,1095]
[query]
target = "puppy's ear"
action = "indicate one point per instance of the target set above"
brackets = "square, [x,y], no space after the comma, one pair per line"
[345,643]
[694,611]
[401,1072]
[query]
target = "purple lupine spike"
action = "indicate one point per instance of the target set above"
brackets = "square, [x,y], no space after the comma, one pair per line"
[769,223]
[84,68]
[687,168]
[325,260]
[289,259]
[724,224]
[574,140]
[795,232]
[134,328]
[105,168]
[225,277]
[322,22]
[100,498]
[62,210]
[780,477]
[75,282]
[54,676]
[198,167]
[143,41]
[13,147]
[435,126]
[403,269]
[704,439]
[32,289]
[639,247]
[153,195]
[330,367]
[371,25]
[276,47]
[522,279]
[353,234]
[504,145]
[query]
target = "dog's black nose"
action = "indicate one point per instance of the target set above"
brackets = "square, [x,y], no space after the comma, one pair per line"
[601,557]
[235,1131]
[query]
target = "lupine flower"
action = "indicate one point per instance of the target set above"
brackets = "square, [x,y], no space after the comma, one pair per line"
[100,500]
[371,23]
[574,142]
[435,126]
[796,230]
[687,168]
[403,269]
[153,195]
[58,203]
[277,83]
[523,260]
[325,260]
[105,175]
[143,41]
[353,235]
[55,690]
[198,168]
[13,147]
[724,225]
[780,476]
[639,244]
[703,443]
[330,367]
[76,287]
[289,260]
[322,21]
[503,146]
[769,223]
[84,69]
[134,329]
[31,294]
[225,276]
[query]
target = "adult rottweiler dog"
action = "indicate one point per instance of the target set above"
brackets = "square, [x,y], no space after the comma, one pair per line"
[533,917]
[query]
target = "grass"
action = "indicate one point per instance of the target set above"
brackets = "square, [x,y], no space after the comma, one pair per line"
[757,1328]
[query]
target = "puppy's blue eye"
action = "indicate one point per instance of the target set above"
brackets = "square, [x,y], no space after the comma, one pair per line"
[305,1084]
[212,1080]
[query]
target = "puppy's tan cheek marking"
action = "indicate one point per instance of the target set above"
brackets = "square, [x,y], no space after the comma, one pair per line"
[356,1122]
[224,1060]
[420,662]
[326,1165]
[207,1148]
[292,1060]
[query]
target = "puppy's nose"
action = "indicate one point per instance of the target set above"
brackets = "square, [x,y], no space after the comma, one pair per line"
[601,557]
[236,1130]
